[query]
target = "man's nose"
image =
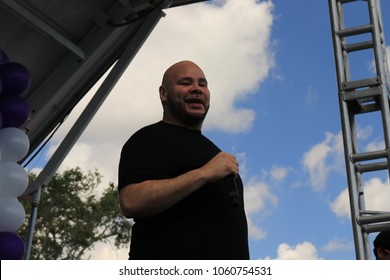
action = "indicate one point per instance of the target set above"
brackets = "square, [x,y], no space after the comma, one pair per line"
[196,89]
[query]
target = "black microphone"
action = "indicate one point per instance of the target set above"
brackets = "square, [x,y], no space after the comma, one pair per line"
[232,191]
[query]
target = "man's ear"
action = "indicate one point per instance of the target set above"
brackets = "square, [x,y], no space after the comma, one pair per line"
[163,93]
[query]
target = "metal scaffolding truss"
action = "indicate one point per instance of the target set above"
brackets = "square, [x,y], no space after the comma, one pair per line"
[363,97]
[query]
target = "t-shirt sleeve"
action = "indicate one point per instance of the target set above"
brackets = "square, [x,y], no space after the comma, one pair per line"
[134,159]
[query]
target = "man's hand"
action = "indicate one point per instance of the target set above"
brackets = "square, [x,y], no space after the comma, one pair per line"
[220,166]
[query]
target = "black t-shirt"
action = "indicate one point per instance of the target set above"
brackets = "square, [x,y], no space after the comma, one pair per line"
[202,226]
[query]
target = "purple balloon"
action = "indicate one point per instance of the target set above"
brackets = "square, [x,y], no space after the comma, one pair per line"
[14,109]
[15,77]
[3,57]
[11,246]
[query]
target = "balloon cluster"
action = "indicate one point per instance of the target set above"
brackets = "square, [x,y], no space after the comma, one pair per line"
[14,144]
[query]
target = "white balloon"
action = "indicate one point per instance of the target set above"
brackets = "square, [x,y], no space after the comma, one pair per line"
[12,214]
[13,179]
[14,144]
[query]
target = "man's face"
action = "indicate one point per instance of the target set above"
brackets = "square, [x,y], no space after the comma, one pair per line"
[185,95]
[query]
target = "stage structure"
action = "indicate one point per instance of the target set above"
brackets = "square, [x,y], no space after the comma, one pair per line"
[360,98]
[67,45]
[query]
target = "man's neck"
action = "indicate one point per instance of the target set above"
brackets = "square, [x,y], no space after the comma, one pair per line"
[194,126]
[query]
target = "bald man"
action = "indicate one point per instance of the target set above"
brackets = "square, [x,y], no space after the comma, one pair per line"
[175,183]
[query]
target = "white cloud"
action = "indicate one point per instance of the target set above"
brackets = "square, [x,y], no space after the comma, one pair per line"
[338,245]
[322,158]
[340,206]
[311,98]
[375,146]
[278,173]
[328,156]
[376,194]
[257,196]
[315,162]
[364,133]
[301,251]
[254,231]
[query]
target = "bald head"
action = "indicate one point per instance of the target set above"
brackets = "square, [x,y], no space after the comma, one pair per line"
[177,69]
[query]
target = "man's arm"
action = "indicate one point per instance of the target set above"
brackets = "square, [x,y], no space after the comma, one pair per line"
[154,196]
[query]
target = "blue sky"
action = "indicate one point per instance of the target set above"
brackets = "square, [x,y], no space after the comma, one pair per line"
[271,71]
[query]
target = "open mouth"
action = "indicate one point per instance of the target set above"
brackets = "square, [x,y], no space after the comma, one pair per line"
[195,103]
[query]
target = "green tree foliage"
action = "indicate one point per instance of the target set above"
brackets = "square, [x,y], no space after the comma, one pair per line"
[72,217]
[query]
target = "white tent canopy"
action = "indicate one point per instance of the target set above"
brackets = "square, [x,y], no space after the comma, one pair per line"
[67,45]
